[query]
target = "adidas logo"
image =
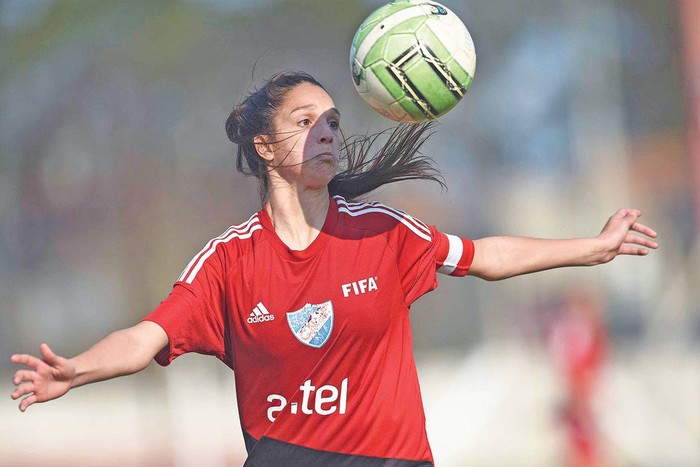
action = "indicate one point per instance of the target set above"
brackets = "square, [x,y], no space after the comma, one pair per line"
[260,314]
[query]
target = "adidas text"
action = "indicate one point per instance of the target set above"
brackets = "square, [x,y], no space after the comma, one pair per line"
[260,314]
[260,319]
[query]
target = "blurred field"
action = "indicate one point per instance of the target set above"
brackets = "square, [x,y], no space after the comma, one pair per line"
[495,406]
[115,169]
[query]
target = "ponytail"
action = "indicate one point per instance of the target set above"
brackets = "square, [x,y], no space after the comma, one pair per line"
[398,159]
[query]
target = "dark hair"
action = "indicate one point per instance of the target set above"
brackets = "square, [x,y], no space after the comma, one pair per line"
[253,116]
[397,159]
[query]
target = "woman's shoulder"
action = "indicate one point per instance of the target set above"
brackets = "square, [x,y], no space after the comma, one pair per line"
[242,231]
[235,237]
[233,243]
[379,217]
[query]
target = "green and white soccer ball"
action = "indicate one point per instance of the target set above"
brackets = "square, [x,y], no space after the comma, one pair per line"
[412,60]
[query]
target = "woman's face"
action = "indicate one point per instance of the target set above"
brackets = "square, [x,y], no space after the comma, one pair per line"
[305,146]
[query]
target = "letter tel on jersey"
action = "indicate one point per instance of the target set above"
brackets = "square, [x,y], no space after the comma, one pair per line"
[324,395]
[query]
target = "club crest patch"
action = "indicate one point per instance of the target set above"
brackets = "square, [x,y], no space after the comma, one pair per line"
[312,324]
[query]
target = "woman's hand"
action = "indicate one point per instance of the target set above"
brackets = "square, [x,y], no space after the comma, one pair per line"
[50,377]
[616,237]
[497,258]
[123,352]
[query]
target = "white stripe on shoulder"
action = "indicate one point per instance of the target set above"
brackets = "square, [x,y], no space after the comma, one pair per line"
[453,255]
[358,206]
[238,228]
[241,231]
[354,206]
[355,209]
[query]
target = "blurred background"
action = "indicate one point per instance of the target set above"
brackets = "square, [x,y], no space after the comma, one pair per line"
[115,169]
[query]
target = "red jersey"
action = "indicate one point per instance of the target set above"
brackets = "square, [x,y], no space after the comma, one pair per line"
[320,339]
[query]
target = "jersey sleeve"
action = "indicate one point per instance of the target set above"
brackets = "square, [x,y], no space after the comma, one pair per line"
[423,250]
[193,314]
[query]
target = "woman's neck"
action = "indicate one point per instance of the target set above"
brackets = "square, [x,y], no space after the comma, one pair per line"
[298,217]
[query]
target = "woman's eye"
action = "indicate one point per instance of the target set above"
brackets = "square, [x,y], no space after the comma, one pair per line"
[305,122]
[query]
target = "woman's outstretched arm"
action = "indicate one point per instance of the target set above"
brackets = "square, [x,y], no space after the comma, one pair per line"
[498,258]
[121,353]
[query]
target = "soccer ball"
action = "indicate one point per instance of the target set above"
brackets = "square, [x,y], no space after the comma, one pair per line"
[412,60]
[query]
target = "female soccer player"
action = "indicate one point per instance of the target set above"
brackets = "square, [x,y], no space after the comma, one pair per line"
[308,300]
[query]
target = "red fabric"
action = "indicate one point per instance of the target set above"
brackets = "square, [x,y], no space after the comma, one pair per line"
[356,394]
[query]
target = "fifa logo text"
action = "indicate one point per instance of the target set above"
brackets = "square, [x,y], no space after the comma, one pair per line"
[360,287]
[320,400]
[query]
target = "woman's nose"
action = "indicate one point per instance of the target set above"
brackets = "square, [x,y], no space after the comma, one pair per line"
[325,134]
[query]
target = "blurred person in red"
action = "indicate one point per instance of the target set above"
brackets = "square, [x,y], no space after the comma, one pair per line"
[578,341]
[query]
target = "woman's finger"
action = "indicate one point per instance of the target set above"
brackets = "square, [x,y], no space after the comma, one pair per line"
[641,241]
[641,228]
[48,355]
[24,359]
[22,390]
[26,402]
[631,215]
[627,249]
[22,376]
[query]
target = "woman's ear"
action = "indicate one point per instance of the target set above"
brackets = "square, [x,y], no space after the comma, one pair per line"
[263,147]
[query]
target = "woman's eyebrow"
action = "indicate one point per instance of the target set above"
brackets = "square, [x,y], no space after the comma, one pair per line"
[302,107]
[311,106]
